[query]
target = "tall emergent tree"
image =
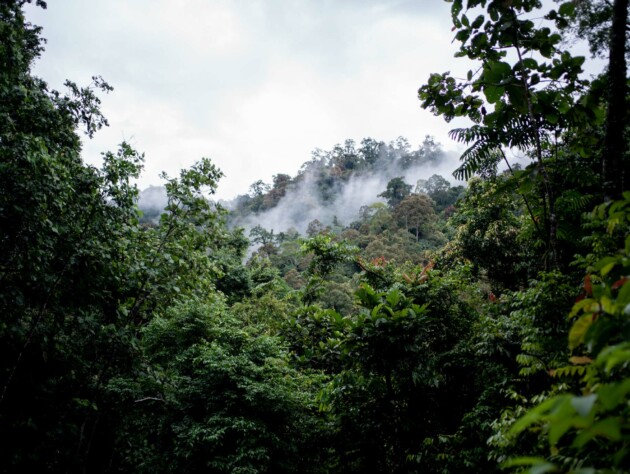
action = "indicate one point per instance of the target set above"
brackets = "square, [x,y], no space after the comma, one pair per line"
[397,190]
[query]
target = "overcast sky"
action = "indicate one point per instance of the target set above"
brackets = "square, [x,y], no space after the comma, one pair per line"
[255,85]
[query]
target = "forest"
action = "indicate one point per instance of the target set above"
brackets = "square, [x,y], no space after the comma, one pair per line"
[331,322]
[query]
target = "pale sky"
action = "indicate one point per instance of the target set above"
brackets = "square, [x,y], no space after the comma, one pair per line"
[254,85]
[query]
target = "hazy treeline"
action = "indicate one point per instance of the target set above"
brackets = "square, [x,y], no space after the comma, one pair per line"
[406,324]
[336,183]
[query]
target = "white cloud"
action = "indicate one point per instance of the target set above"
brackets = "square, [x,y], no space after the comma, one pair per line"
[254,85]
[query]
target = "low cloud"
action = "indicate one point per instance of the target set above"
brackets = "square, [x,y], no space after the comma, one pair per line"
[303,202]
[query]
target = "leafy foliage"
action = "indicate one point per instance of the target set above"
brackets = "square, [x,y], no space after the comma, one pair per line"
[154,346]
[590,427]
[214,395]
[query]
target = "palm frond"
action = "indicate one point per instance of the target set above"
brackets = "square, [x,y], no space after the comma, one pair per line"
[574,201]
[479,157]
[484,153]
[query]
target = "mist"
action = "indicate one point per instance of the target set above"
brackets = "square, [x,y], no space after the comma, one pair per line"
[152,201]
[302,202]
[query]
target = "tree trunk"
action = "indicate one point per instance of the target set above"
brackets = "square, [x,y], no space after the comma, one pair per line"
[613,169]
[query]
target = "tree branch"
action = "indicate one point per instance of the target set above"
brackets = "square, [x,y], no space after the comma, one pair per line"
[157,399]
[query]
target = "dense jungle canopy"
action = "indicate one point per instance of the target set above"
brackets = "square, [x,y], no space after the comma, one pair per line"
[436,328]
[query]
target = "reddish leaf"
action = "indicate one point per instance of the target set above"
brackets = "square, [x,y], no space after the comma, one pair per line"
[588,286]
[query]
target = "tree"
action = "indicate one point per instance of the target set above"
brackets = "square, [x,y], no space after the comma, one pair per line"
[259,188]
[593,21]
[396,246]
[415,213]
[586,423]
[487,235]
[435,184]
[378,218]
[407,375]
[80,275]
[60,226]
[440,191]
[524,100]
[344,159]
[370,150]
[315,227]
[216,395]
[262,236]
[396,191]
[281,182]
[615,143]
[429,153]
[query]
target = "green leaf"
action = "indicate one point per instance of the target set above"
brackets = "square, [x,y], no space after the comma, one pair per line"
[534,415]
[609,428]
[477,22]
[567,9]
[497,71]
[605,270]
[564,106]
[538,465]
[480,40]
[493,93]
[530,63]
[522,461]
[393,297]
[612,356]
[456,8]
[587,305]
[579,329]
[623,297]
[462,35]
[558,429]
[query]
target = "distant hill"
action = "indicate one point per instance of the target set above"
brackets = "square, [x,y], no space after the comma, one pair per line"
[334,185]
[335,188]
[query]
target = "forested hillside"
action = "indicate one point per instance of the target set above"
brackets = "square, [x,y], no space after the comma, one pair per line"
[335,184]
[370,314]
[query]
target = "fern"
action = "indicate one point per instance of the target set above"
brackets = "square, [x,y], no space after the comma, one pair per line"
[485,151]
[477,158]
[574,201]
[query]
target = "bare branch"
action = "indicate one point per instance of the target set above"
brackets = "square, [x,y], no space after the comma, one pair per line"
[157,399]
